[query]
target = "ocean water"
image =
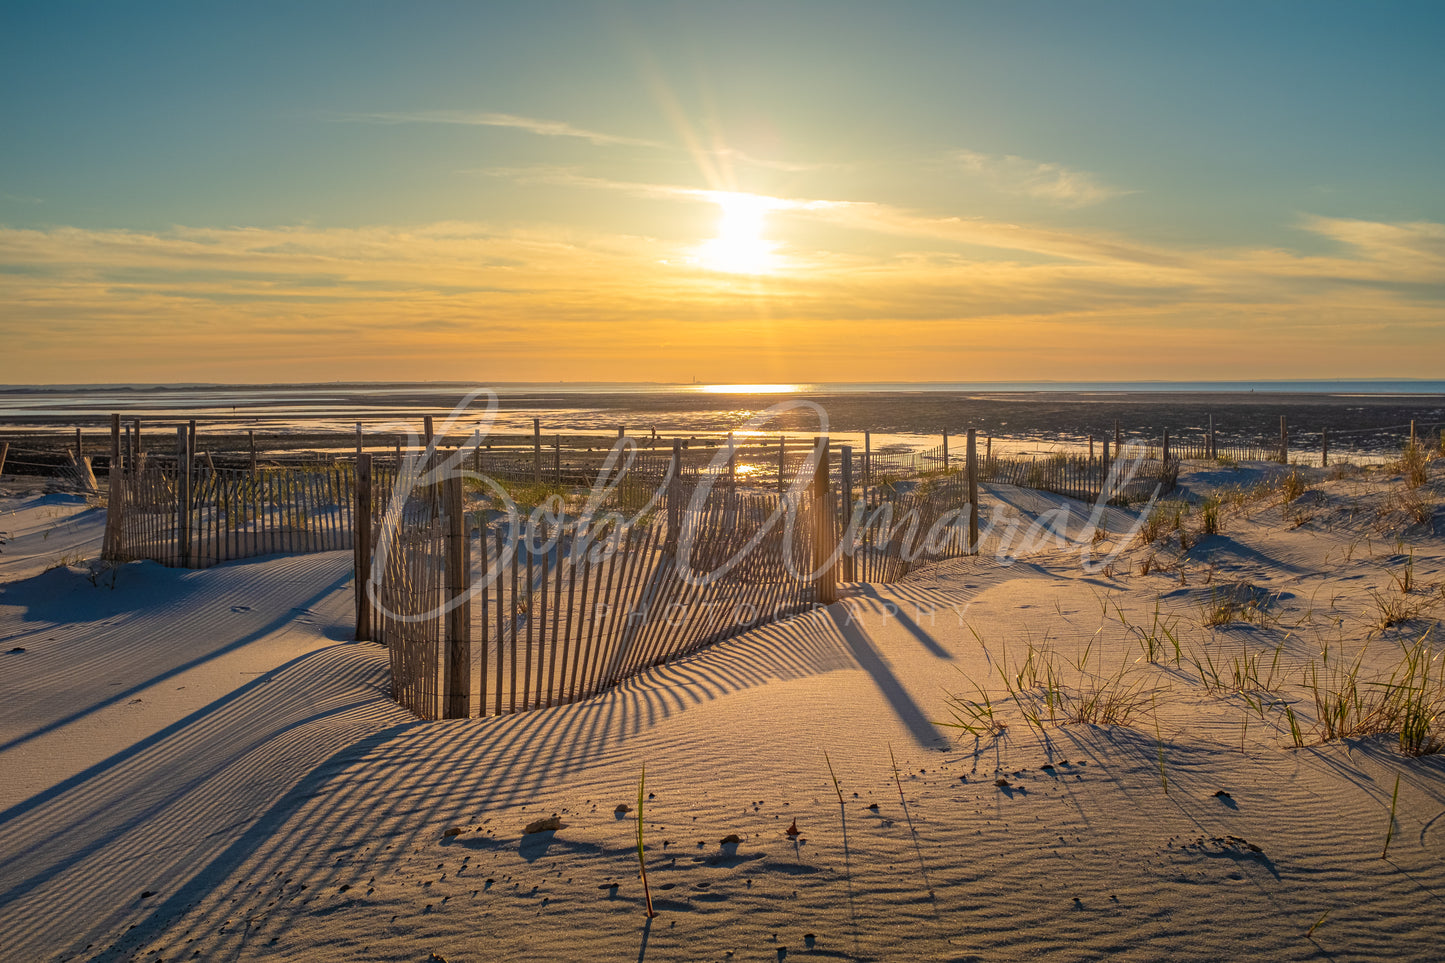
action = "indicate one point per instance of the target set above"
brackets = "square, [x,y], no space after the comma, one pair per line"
[1361,415]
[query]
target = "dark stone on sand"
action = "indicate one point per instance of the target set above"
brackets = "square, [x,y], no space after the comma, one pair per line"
[544,825]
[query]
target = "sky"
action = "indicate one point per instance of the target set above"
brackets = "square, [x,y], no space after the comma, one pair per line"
[729,192]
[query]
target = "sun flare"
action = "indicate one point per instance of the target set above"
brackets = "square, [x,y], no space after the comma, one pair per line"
[740,247]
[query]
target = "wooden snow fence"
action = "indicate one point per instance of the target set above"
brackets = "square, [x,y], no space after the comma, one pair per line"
[489,613]
[485,613]
[911,525]
[207,515]
[1084,478]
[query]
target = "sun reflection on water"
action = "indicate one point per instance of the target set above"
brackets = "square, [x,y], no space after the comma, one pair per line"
[748,389]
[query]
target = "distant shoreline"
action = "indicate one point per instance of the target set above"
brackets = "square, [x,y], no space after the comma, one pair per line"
[1356,420]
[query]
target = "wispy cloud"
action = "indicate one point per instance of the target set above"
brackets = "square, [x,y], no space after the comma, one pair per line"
[1042,180]
[557,128]
[1416,244]
[879,218]
[472,299]
[467,118]
[786,166]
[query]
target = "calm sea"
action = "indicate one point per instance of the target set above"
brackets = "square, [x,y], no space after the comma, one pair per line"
[1363,415]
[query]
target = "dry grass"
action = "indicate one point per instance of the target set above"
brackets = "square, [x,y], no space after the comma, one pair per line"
[1413,464]
[1290,486]
[1392,609]
[1038,689]
[1408,702]
[1234,603]
[1209,515]
[1163,519]
[1413,505]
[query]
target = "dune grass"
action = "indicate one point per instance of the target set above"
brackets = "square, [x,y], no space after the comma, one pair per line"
[1407,703]
[641,849]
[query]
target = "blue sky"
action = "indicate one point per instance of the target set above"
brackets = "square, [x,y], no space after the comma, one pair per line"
[530,190]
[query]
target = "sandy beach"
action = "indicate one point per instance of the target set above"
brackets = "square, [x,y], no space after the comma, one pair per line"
[201,765]
[652,481]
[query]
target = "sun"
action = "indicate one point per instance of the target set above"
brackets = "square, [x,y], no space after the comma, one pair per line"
[740,247]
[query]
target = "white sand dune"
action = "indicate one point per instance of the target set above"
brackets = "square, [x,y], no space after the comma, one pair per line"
[199,766]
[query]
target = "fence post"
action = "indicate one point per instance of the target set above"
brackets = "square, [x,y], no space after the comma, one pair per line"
[782,450]
[1325,448]
[846,515]
[674,492]
[114,511]
[114,504]
[1412,435]
[427,429]
[1283,440]
[183,497]
[1211,451]
[1166,445]
[945,450]
[1103,466]
[1117,437]
[557,459]
[459,619]
[4,450]
[536,451]
[971,464]
[732,464]
[867,466]
[361,546]
[823,540]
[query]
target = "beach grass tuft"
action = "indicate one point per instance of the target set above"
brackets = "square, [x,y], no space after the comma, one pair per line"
[1390,829]
[1409,702]
[641,849]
